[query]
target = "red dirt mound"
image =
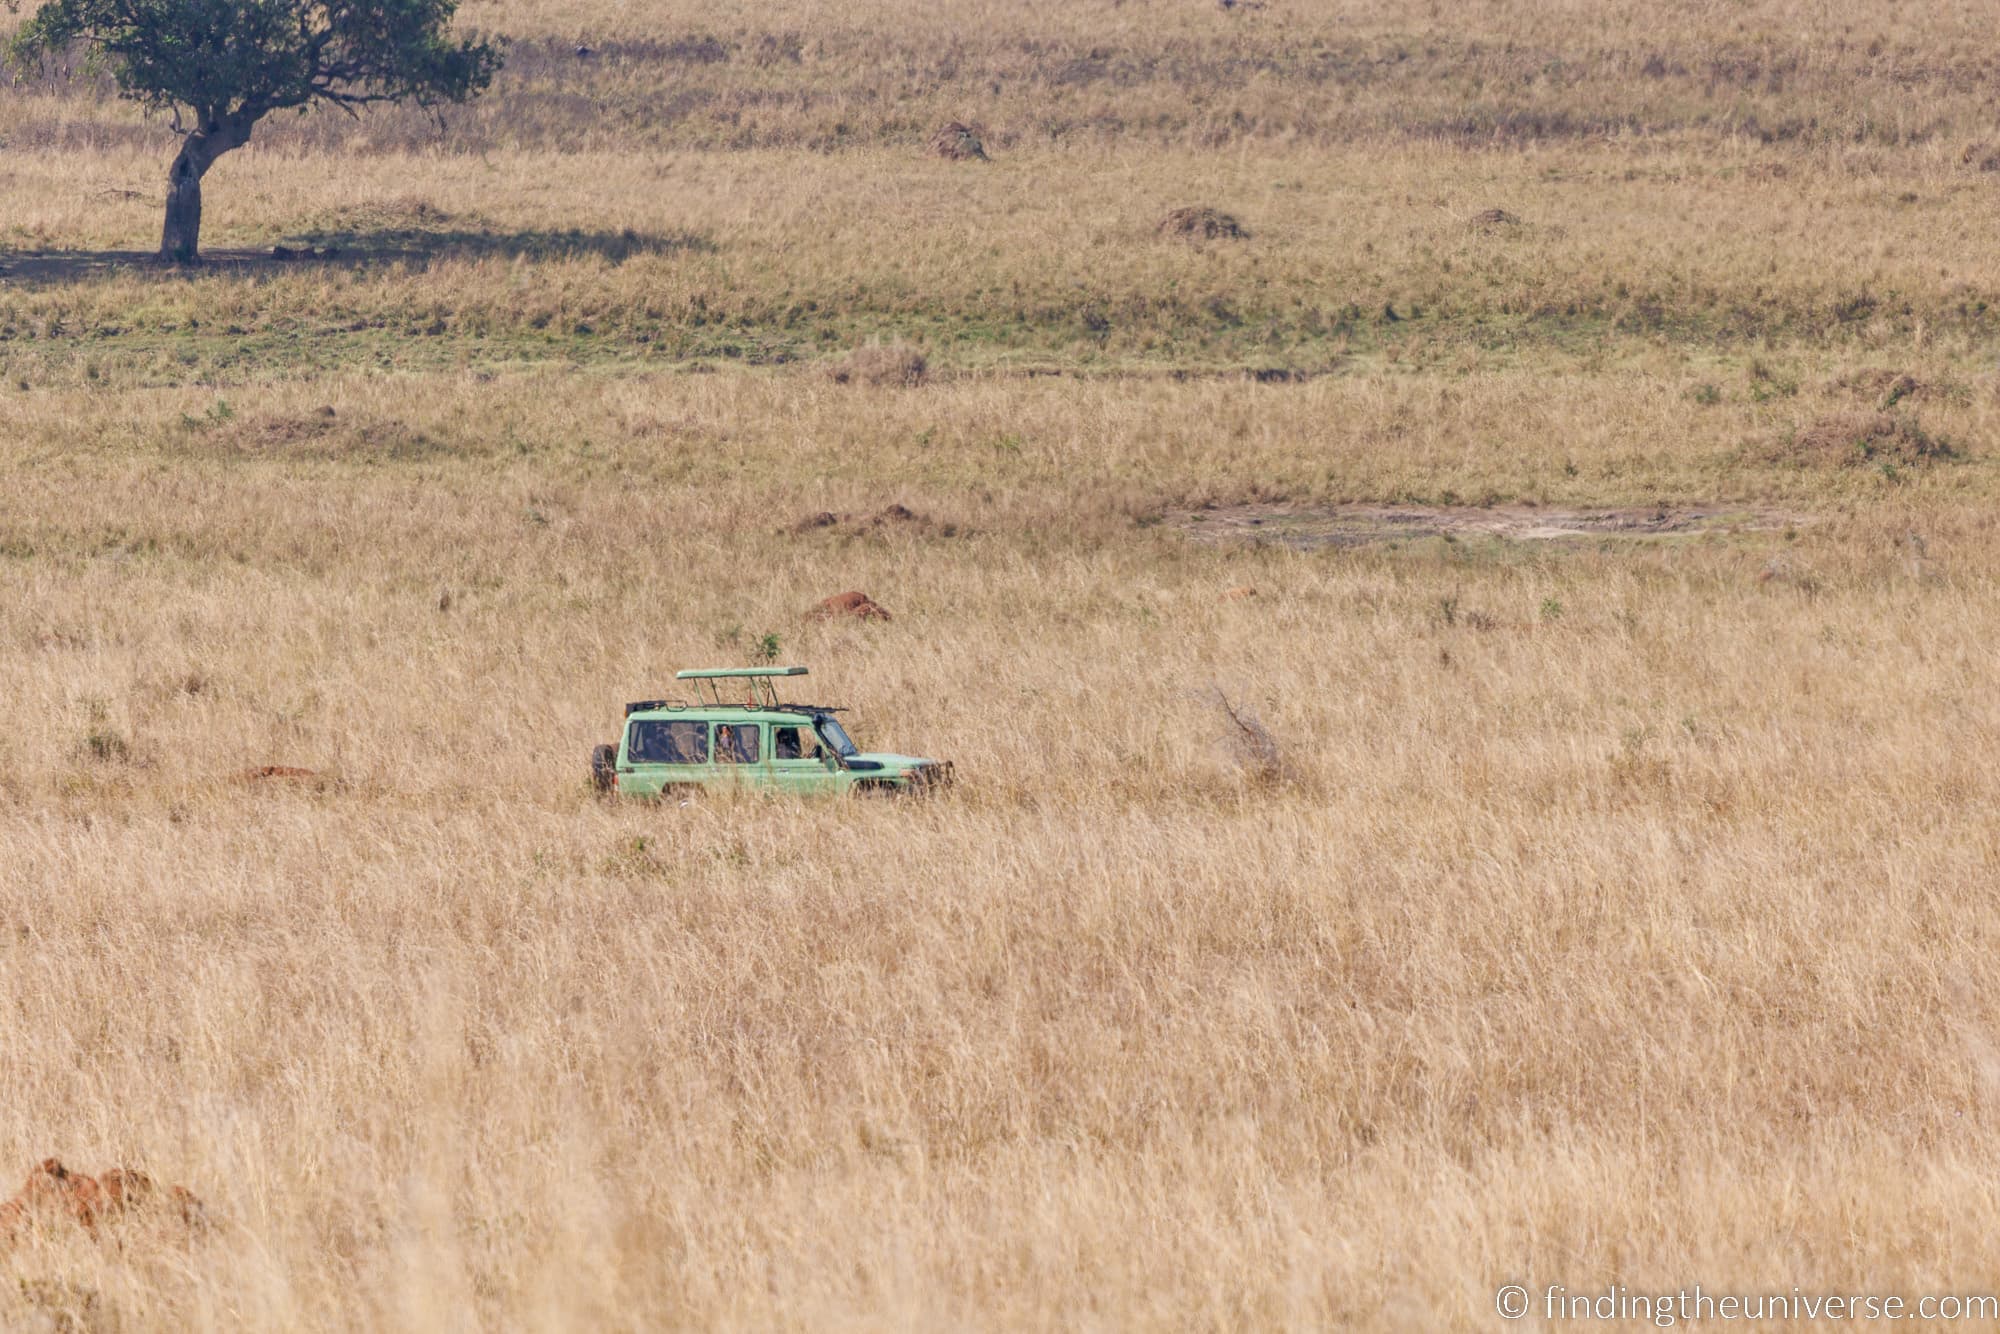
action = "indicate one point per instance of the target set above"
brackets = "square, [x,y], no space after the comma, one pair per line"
[855,604]
[53,1195]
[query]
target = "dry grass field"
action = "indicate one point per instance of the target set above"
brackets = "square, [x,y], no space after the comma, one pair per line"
[1620,907]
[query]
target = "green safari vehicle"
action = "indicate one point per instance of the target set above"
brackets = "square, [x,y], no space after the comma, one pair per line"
[735,733]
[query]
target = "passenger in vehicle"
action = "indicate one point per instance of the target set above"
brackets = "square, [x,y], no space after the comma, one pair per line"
[736,743]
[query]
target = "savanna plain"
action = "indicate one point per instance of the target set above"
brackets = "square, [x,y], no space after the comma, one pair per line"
[1354,897]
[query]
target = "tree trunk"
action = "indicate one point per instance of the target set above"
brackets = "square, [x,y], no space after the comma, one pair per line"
[180,238]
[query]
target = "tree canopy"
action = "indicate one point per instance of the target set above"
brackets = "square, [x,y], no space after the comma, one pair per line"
[217,67]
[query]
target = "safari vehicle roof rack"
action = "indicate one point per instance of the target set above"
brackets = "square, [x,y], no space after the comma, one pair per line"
[759,692]
[709,673]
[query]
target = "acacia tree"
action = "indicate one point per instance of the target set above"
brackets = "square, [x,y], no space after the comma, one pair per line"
[217,67]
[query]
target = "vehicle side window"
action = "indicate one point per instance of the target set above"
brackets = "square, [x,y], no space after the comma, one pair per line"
[667,743]
[736,743]
[794,743]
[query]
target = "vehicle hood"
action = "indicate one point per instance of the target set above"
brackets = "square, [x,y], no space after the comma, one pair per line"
[882,759]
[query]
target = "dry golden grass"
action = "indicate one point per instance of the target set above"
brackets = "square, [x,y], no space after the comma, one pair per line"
[1619,912]
[1054,259]
[1635,939]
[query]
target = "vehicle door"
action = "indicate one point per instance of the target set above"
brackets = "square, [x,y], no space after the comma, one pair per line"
[799,761]
[661,754]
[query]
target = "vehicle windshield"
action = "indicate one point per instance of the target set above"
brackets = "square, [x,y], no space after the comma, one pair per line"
[836,739]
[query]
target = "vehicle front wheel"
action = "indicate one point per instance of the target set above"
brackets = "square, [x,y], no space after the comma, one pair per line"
[603,767]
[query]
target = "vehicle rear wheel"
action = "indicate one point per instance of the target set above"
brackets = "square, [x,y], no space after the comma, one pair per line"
[603,767]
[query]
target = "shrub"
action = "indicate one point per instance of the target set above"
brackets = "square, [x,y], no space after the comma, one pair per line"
[893,364]
[1201,223]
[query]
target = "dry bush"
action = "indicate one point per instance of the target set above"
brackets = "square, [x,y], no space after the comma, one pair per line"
[1252,748]
[1981,156]
[1851,439]
[881,365]
[892,519]
[1884,389]
[958,142]
[1200,223]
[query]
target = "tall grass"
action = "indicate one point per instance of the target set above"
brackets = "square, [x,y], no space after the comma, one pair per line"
[1635,945]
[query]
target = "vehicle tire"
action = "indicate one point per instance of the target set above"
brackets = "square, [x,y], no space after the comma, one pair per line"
[603,767]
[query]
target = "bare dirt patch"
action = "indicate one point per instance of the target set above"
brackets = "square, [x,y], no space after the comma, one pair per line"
[1306,527]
